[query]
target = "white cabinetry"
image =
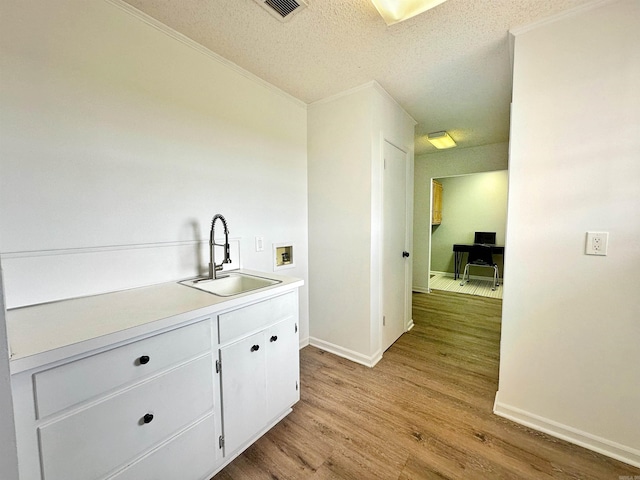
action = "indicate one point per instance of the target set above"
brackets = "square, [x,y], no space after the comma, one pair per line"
[259,368]
[283,367]
[93,441]
[243,390]
[179,400]
[100,415]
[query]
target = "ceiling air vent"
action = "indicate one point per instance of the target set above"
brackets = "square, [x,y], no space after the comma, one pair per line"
[283,10]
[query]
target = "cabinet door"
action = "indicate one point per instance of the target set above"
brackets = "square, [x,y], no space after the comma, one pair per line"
[283,367]
[436,218]
[243,378]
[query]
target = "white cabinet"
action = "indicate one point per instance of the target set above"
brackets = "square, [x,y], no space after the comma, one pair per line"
[93,441]
[283,367]
[102,414]
[179,401]
[259,369]
[244,385]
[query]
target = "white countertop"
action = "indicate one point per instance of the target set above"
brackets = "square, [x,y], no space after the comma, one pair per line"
[48,332]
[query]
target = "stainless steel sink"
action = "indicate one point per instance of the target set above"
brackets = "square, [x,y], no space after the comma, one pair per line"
[231,284]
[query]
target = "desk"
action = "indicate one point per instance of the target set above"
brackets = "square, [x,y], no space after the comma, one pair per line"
[459,249]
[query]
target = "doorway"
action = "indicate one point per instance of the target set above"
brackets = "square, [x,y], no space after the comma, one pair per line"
[470,203]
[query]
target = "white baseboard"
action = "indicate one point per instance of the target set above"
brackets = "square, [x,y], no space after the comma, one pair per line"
[421,289]
[303,343]
[573,435]
[442,274]
[472,277]
[410,326]
[346,353]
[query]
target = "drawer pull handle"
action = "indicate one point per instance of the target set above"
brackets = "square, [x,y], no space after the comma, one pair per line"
[147,418]
[255,348]
[144,359]
[274,338]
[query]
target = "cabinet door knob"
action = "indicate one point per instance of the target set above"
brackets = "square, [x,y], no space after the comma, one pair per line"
[144,359]
[273,338]
[147,418]
[255,348]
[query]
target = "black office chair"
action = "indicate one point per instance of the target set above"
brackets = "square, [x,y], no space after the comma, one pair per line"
[480,256]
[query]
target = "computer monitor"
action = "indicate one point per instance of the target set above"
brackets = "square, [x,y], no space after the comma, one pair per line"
[485,237]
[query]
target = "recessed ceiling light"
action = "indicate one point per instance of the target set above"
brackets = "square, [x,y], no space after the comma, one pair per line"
[441,140]
[394,11]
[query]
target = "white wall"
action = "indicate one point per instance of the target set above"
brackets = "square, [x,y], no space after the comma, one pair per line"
[339,182]
[470,203]
[571,329]
[121,139]
[446,163]
[346,135]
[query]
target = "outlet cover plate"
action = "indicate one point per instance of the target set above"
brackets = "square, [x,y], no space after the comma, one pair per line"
[597,243]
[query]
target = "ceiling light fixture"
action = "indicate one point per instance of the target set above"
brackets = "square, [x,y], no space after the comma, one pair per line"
[441,140]
[394,11]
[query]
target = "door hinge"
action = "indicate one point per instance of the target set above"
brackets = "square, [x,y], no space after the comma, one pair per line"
[218,366]
[296,385]
[221,441]
[384,320]
[296,327]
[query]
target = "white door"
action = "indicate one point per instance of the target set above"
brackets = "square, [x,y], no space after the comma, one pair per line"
[394,244]
[244,389]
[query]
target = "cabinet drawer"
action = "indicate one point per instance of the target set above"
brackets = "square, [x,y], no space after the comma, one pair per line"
[95,441]
[240,322]
[190,455]
[87,378]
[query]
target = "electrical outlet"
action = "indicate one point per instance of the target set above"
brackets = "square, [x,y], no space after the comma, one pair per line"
[597,243]
[259,244]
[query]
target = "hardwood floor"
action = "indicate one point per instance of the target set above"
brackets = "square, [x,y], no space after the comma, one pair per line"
[424,412]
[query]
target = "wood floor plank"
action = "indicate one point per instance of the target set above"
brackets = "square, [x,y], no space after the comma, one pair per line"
[424,412]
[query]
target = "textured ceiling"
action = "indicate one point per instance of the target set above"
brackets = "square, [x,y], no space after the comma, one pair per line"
[448,67]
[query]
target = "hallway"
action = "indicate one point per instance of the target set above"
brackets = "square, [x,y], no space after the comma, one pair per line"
[424,412]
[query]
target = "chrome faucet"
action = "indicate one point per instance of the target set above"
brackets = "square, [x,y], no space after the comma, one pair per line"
[213,267]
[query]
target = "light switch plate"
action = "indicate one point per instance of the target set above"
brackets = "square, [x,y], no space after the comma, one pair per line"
[259,244]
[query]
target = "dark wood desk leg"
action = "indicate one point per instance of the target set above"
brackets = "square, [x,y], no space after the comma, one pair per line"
[458,260]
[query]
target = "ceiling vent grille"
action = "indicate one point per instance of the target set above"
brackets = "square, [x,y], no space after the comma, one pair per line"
[283,10]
